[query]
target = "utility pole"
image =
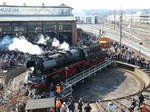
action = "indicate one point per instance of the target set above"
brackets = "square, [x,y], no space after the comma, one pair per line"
[114,18]
[140,47]
[103,22]
[131,27]
[121,16]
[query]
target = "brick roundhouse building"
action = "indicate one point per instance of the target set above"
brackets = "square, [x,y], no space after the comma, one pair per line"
[54,21]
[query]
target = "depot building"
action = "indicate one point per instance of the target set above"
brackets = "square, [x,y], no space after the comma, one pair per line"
[55,21]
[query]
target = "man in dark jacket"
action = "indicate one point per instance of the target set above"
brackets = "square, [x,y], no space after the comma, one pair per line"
[80,104]
[141,99]
[87,108]
[71,107]
[133,104]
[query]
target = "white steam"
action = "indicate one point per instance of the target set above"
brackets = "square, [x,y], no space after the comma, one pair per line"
[55,43]
[64,45]
[4,42]
[21,44]
[43,40]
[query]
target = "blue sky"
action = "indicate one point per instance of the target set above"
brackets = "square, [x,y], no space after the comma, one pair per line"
[86,4]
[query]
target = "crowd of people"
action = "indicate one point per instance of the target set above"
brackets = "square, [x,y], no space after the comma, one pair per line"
[85,107]
[128,55]
[61,105]
[8,59]
[133,107]
[69,105]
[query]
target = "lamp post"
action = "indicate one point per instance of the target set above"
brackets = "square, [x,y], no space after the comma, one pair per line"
[140,47]
[114,19]
[121,19]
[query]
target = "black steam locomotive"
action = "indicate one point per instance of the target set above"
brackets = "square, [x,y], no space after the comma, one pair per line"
[62,64]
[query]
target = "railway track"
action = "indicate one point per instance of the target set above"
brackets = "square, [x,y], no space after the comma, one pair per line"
[123,104]
[134,37]
[137,35]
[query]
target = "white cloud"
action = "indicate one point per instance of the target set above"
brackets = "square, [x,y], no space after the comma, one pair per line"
[85,4]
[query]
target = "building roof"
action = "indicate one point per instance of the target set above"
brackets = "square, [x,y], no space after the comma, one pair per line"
[33,104]
[59,6]
[36,18]
[36,13]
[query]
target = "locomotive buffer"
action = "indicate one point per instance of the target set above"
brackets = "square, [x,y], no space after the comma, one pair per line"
[67,87]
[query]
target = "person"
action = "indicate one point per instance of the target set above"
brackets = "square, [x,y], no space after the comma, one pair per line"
[1,99]
[58,90]
[63,107]
[58,105]
[87,108]
[111,107]
[143,107]
[133,104]
[52,90]
[141,99]
[122,110]
[51,110]
[130,110]
[27,92]
[70,103]
[80,104]
[70,99]
[34,96]
[1,87]
[71,106]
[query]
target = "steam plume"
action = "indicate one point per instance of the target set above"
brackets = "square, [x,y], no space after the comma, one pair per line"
[43,40]
[64,45]
[55,43]
[21,44]
[5,41]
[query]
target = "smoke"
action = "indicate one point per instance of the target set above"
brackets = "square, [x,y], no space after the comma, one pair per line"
[5,42]
[55,43]
[21,44]
[43,40]
[64,45]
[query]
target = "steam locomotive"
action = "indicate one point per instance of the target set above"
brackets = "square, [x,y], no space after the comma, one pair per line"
[63,64]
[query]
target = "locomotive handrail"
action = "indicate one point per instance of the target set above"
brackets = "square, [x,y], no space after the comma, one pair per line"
[79,74]
[67,87]
[82,75]
[94,67]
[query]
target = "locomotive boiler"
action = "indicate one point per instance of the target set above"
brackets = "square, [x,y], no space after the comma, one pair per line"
[54,67]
